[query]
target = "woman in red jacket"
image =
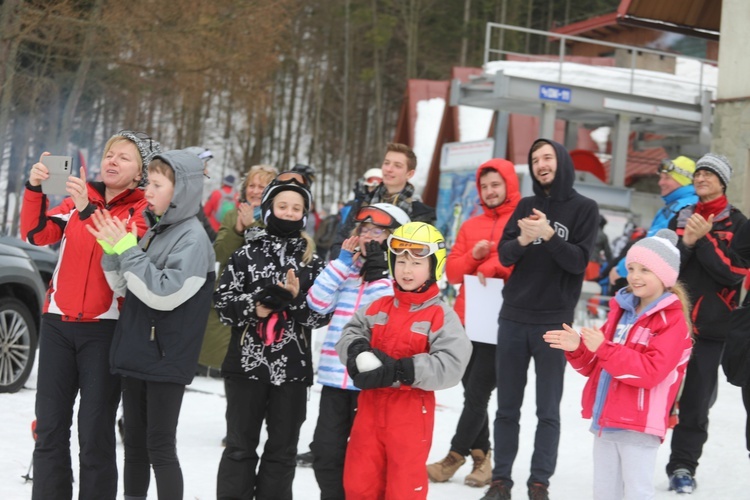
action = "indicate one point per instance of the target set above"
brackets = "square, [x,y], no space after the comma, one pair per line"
[79,319]
[475,253]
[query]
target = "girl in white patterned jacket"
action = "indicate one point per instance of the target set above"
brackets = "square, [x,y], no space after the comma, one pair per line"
[268,367]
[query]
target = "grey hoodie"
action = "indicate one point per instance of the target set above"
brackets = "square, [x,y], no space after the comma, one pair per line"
[167,281]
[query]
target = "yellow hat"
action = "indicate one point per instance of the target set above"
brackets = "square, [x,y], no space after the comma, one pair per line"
[680,169]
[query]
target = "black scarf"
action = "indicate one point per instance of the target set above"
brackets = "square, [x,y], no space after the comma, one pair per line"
[284,228]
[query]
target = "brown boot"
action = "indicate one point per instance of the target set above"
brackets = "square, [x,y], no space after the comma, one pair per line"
[443,470]
[481,475]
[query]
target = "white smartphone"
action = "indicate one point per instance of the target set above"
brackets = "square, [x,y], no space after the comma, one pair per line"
[59,170]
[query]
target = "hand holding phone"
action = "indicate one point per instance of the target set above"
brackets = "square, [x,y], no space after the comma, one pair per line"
[39,171]
[58,170]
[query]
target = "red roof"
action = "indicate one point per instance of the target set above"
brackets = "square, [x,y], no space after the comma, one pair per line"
[593,24]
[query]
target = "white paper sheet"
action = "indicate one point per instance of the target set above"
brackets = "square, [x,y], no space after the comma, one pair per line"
[482,308]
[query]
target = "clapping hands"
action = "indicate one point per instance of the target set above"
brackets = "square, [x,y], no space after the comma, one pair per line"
[568,339]
[108,229]
[533,227]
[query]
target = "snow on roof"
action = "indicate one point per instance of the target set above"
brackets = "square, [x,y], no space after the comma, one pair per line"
[426,128]
[681,87]
[474,123]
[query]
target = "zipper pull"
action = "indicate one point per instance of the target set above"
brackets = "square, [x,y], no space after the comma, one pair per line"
[153,332]
[424,410]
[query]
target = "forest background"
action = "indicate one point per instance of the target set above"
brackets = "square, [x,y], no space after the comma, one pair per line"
[318,82]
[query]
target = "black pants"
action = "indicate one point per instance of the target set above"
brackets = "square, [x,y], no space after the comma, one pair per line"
[473,431]
[746,402]
[249,403]
[150,411]
[74,357]
[517,343]
[698,395]
[335,419]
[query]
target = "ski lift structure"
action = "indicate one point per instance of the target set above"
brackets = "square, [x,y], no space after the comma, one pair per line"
[626,99]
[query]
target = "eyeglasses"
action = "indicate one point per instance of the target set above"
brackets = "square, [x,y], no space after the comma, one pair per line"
[416,249]
[667,166]
[375,216]
[374,231]
[291,176]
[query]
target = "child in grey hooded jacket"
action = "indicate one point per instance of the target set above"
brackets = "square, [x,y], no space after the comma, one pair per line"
[167,281]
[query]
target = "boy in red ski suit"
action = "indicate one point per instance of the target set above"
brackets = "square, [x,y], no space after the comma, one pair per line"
[399,350]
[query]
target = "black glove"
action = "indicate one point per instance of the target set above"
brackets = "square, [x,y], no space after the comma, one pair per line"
[376,262]
[355,348]
[360,190]
[275,297]
[401,370]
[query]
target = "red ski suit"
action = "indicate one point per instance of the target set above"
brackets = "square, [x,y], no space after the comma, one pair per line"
[392,433]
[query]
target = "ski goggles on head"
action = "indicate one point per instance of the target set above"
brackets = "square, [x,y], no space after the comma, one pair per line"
[417,249]
[667,166]
[375,216]
[285,177]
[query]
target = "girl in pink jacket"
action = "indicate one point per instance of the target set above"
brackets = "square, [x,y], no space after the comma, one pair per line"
[635,365]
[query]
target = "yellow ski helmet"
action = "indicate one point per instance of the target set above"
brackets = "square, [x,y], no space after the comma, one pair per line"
[420,240]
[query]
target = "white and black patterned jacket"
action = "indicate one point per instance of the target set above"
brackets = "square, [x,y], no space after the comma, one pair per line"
[264,260]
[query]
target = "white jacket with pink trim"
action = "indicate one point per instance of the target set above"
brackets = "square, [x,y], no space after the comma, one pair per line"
[340,288]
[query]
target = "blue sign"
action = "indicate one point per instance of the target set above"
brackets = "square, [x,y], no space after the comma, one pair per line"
[550,93]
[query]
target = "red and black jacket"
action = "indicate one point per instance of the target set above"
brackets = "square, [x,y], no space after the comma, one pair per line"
[78,290]
[711,272]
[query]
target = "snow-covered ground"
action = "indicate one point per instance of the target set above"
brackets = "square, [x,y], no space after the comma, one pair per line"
[723,473]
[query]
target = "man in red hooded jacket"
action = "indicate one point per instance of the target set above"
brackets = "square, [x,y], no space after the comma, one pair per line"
[475,253]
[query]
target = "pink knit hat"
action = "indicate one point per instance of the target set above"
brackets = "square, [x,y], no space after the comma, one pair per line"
[659,254]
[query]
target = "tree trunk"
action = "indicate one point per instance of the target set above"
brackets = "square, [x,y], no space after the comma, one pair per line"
[377,84]
[344,154]
[87,52]
[10,40]
[291,114]
[529,10]
[6,99]
[465,35]
[550,22]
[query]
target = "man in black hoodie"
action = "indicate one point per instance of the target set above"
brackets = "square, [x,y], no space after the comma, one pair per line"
[548,239]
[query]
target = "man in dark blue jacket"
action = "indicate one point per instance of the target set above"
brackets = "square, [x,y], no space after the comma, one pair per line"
[548,239]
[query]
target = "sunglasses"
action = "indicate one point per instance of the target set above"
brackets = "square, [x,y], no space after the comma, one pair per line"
[292,176]
[418,250]
[666,166]
[375,216]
